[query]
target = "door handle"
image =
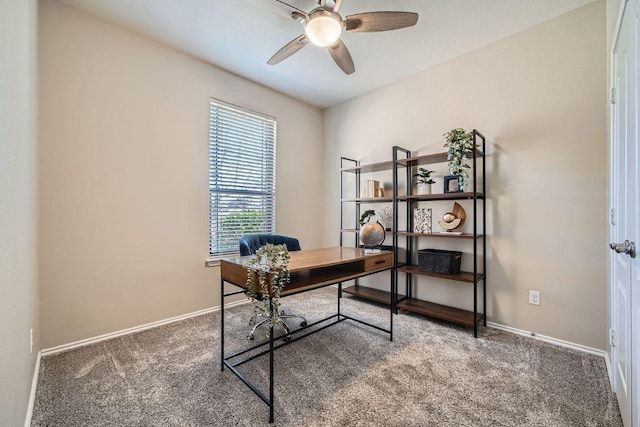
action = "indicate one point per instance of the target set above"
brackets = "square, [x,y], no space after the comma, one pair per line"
[627,247]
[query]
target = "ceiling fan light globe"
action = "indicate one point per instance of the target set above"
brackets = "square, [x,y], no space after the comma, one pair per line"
[323,30]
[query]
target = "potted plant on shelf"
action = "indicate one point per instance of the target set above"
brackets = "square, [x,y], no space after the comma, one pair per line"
[460,147]
[424,181]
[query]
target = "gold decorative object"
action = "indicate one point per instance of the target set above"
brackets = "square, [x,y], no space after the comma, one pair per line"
[454,220]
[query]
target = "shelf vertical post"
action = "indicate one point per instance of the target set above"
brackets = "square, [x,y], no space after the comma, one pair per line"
[394,231]
[408,240]
[475,237]
[342,159]
[484,231]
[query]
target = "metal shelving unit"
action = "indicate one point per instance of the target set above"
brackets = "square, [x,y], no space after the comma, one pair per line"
[476,277]
[353,167]
[403,162]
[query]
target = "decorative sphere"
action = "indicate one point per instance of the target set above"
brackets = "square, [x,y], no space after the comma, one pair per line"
[372,234]
[449,217]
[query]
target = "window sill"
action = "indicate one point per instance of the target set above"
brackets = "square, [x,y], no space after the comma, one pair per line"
[214,261]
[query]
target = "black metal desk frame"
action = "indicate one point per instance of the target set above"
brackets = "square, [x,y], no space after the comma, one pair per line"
[338,317]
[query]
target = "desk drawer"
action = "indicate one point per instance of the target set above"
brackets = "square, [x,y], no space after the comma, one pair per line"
[377,262]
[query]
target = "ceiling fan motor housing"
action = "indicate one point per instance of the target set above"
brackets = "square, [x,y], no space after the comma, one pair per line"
[323,27]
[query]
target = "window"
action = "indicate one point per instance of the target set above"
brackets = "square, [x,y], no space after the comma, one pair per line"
[241,175]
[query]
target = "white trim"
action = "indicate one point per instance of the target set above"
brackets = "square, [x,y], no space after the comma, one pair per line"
[214,260]
[93,340]
[88,341]
[32,395]
[616,31]
[607,361]
[551,340]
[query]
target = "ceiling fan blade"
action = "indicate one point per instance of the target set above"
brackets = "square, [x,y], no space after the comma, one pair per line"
[341,55]
[289,49]
[281,8]
[380,21]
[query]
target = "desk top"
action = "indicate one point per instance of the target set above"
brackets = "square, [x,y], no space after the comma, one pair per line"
[317,258]
[311,268]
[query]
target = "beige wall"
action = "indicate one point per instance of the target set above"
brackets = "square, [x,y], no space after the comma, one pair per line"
[124,169]
[541,97]
[18,248]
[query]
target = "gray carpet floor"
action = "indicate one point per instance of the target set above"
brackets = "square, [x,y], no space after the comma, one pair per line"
[432,374]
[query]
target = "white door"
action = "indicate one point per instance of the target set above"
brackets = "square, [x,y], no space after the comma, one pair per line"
[625,270]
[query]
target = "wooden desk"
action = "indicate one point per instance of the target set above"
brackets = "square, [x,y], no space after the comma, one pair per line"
[309,269]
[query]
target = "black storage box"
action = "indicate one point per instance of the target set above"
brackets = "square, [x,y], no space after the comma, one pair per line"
[439,261]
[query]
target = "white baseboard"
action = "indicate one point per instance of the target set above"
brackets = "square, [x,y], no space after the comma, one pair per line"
[32,395]
[551,340]
[93,340]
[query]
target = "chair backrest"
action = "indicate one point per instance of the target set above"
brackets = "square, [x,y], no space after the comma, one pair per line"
[250,243]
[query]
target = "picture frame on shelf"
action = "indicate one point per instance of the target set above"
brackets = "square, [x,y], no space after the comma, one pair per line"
[422,220]
[452,184]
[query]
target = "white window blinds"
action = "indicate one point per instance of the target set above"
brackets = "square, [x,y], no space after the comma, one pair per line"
[241,175]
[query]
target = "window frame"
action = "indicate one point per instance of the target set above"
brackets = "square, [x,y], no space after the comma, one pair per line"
[232,187]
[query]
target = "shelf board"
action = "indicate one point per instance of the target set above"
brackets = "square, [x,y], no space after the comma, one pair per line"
[430,159]
[381,247]
[445,235]
[356,230]
[439,311]
[424,160]
[371,294]
[369,200]
[463,276]
[371,167]
[443,196]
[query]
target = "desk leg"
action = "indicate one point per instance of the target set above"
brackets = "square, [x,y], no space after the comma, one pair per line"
[221,325]
[339,296]
[270,362]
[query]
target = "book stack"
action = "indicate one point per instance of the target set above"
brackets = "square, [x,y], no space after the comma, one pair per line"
[373,188]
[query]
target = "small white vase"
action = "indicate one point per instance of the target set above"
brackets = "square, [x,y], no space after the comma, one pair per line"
[424,189]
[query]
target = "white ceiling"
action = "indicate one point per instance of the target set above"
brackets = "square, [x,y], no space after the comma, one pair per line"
[241,35]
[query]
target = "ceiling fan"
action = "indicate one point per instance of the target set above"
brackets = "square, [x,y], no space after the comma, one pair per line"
[324,25]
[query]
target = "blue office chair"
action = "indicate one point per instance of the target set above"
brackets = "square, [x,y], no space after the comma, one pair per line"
[249,244]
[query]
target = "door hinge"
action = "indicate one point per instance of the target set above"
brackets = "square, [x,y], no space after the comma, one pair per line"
[612,216]
[612,341]
[612,95]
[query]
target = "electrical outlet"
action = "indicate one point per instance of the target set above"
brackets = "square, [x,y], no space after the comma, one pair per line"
[534,297]
[30,340]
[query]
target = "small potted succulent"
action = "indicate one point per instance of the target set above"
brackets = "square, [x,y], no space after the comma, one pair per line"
[424,181]
[459,144]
